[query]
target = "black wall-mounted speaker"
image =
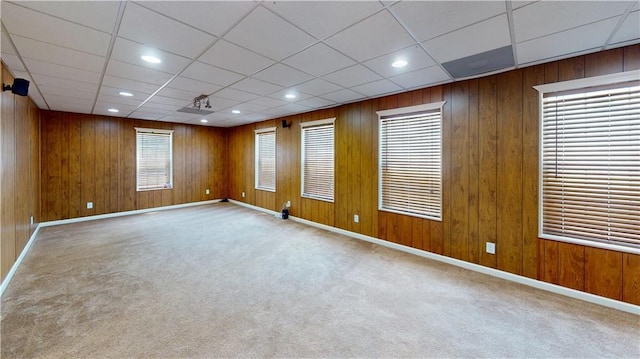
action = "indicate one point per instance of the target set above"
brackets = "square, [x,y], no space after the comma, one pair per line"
[20,87]
[285,124]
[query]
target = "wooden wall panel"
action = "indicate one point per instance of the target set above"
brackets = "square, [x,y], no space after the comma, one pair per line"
[603,272]
[530,146]
[490,176]
[509,175]
[19,173]
[87,158]
[487,200]
[631,278]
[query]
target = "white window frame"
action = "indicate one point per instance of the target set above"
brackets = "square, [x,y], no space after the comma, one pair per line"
[259,132]
[140,130]
[402,111]
[303,126]
[585,83]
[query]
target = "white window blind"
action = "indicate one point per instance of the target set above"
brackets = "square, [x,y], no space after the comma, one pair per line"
[410,160]
[266,159]
[318,146]
[590,171]
[154,163]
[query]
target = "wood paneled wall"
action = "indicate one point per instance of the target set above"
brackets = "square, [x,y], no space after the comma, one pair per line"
[20,180]
[490,177]
[90,158]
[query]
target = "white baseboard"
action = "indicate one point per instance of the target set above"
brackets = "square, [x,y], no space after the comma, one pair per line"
[126,213]
[15,265]
[587,297]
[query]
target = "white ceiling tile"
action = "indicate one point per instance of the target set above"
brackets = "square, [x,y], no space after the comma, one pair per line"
[236,95]
[317,102]
[317,87]
[33,49]
[128,85]
[429,19]
[114,91]
[516,4]
[232,57]
[323,18]
[118,100]
[130,52]
[256,86]
[377,88]
[145,115]
[69,107]
[282,75]
[178,94]
[280,95]
[220,103]
[375,36]
[186,84]
[100,15]
[42,67]
[214,17]
[547,17]
[268,102]
[87,89]
[629,30]
[170,101]
[181,117]
[138,73]
[484,36]
[343,96]
[319,60]
[55,98]
[565,43]
[211,74]
[156,111]
[352,76]
[421,78]
[268,34]
[414,55]
[123,110]
[252,118]
[247,108]
[35,25]
[7,48]
[293,108]
[160,107]
[35,95]
[155,30]
[13,62]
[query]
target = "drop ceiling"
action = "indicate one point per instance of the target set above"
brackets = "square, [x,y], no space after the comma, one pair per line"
[248,55]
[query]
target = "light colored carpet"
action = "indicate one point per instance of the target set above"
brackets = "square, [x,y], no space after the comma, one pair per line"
[224,281]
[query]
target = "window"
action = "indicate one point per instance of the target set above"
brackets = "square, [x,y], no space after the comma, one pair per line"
[266,159]
[410,176]
[590,161]
[154,163]
[318,159]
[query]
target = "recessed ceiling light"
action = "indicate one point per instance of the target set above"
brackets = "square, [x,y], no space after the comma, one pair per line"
[125,93]
[114,110]
[204,120]
[151,59]
[235,111]
[399,63]
[290,95]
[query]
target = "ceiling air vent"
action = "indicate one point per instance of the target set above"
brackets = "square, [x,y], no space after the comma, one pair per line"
[481,63]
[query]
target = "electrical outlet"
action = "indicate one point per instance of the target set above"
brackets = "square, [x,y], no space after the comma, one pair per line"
[206,191]
[242,194]
[356,218]
[491,248]
[288,204]
[89,205]
[32,220]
